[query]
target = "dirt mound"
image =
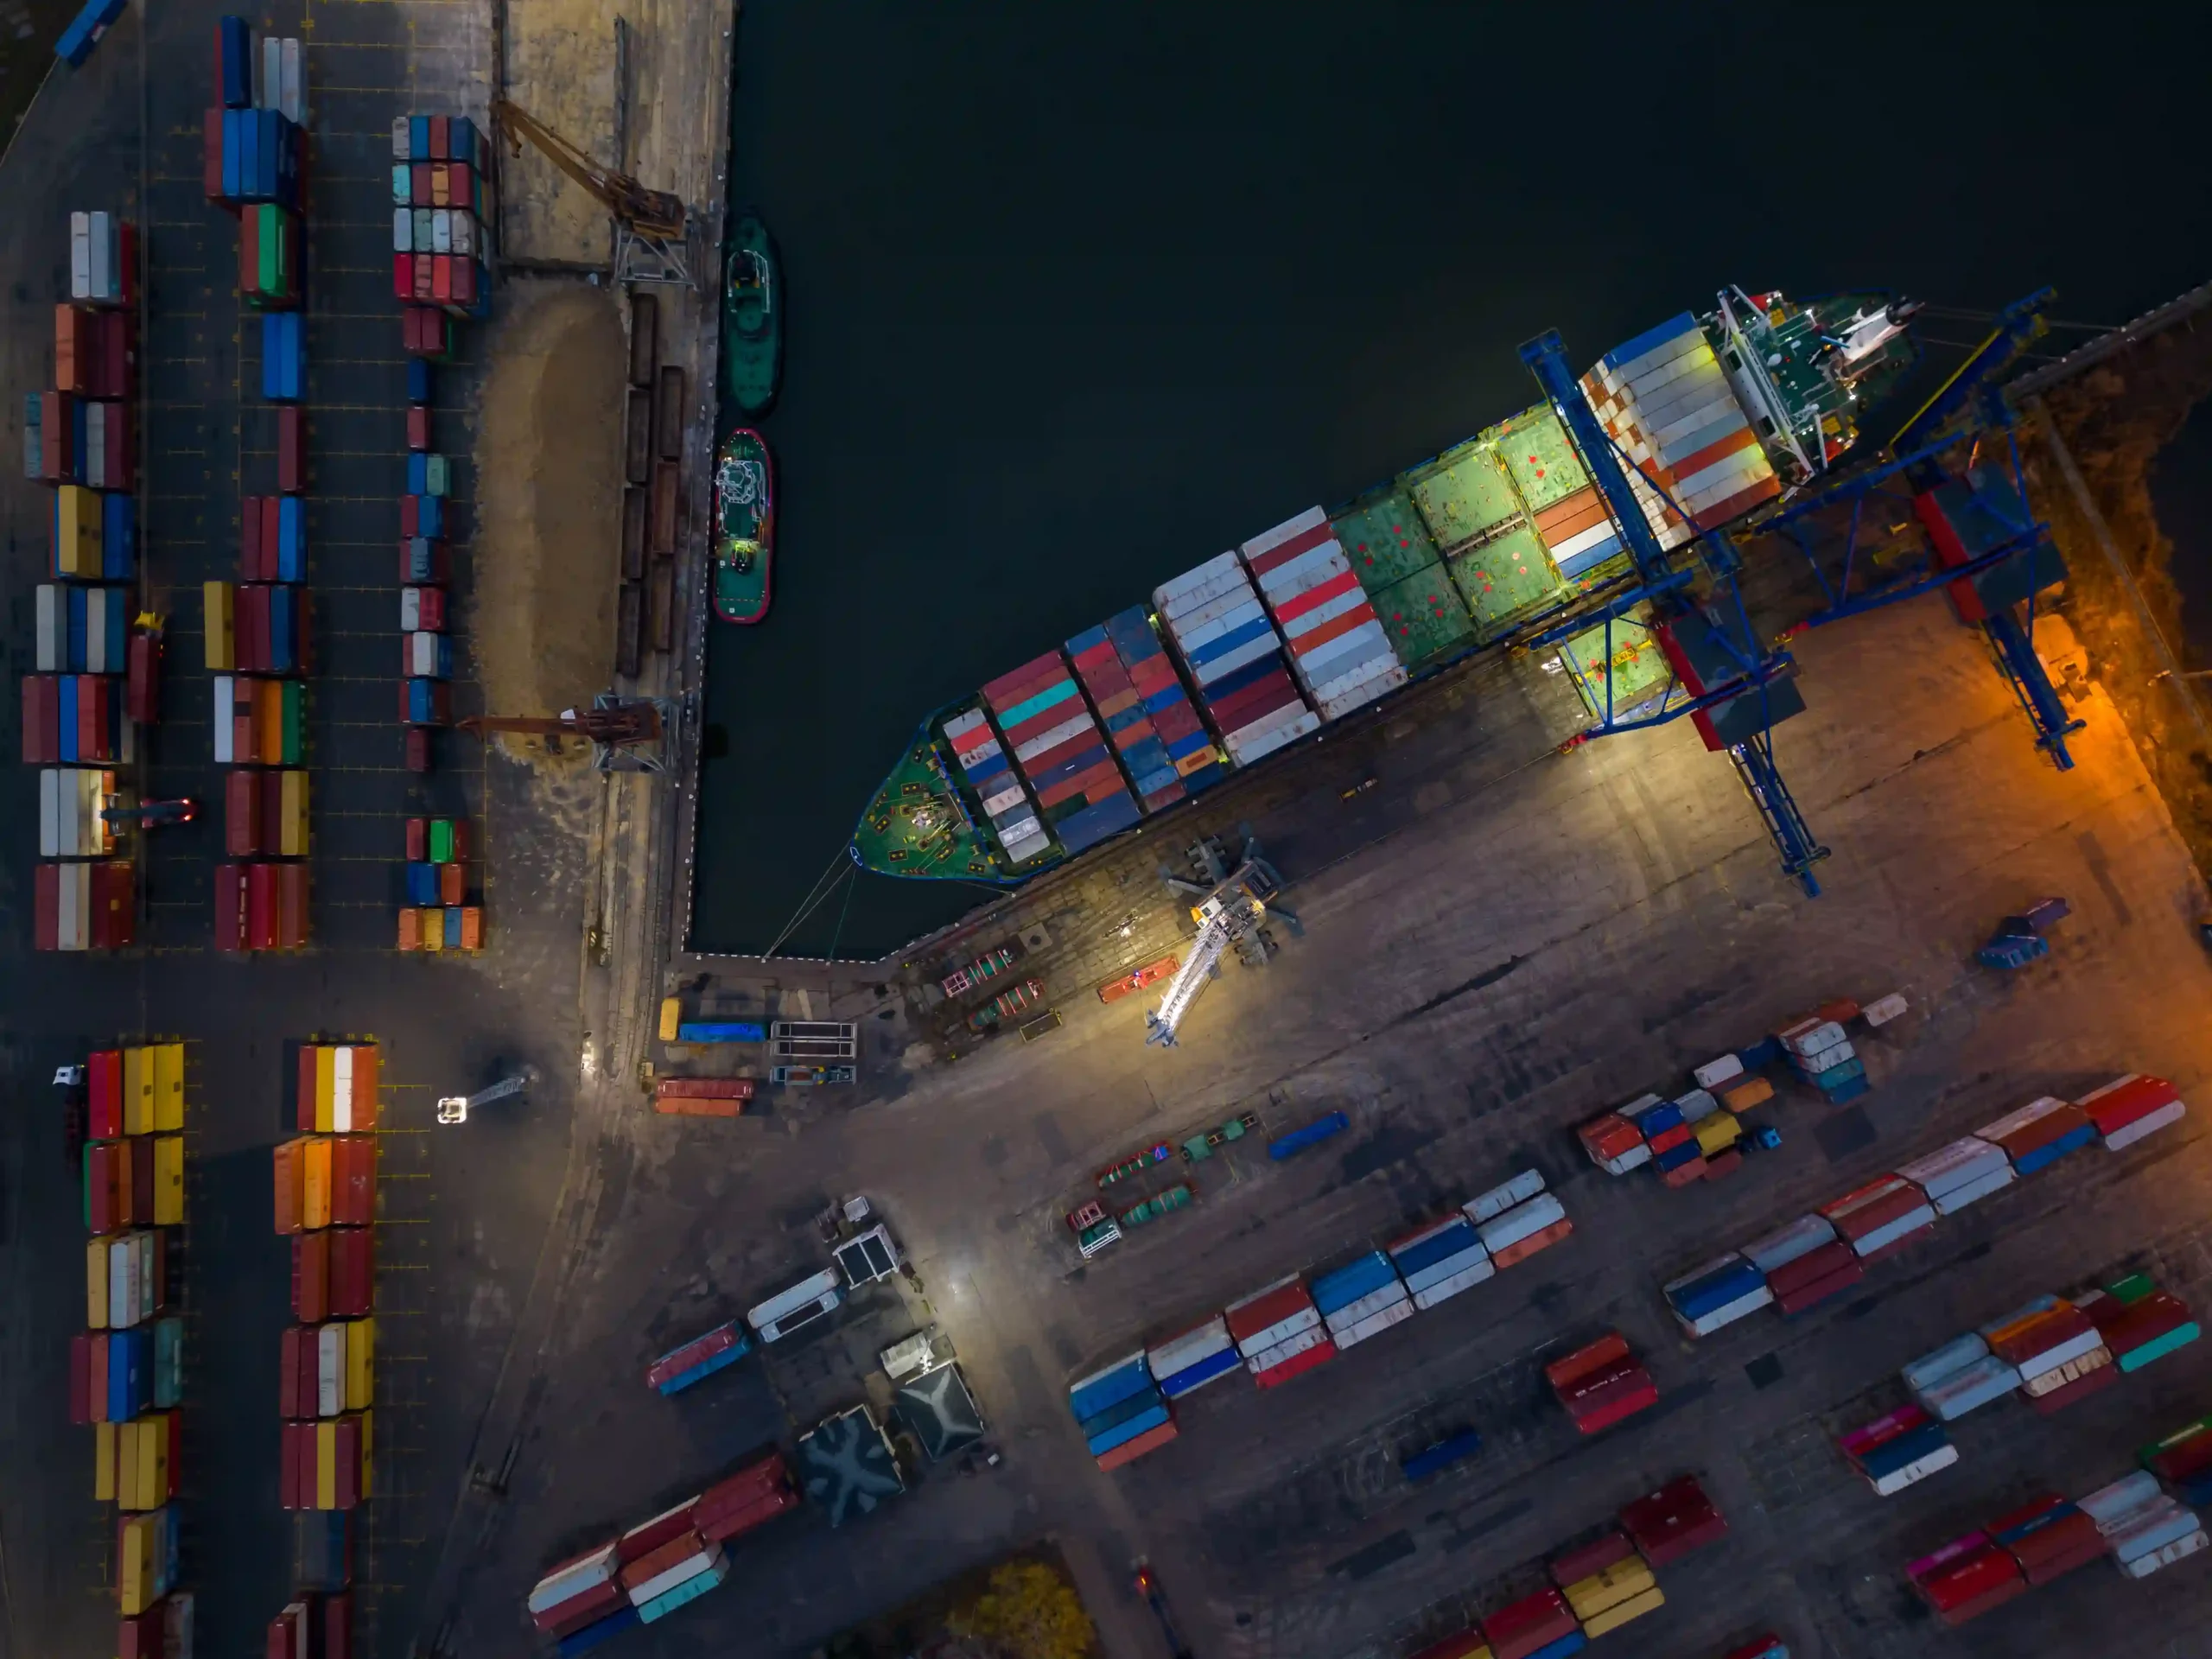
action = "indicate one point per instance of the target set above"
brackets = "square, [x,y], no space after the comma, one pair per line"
[549,460]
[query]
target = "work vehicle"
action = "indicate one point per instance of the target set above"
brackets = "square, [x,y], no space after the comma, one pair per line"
[752,316]
[1199,1147]
[1136,1164]
[152,815]
[1093,1228]
[809,1077]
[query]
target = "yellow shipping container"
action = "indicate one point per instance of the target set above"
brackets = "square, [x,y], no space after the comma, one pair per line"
[153,1472]
[434,929]
[326,1465]
[168,1087]
[368,1451]
[314,1182]
[1751,1092]
[1635,1607]
[326,1087]
[360,1365]
[292,820]
[168,1181]
[215,599]
[138,1573]
[671,1016]
[1715,1134]
[1602,1591]
[76,531]
[95,1283]
[137,1091]
[104,1439]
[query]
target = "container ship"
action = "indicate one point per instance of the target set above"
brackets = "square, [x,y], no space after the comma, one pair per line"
[1241,657]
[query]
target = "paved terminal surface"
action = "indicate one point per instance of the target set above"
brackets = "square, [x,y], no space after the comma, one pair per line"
[1497,942]
[1500,966]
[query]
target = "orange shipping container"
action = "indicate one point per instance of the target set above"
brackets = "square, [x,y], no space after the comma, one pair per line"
[353,1181]
[411,929]
[311,1277]
[314,1183]
[471,926]
[290,1177]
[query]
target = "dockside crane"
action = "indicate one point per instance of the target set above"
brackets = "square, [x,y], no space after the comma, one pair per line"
[1740,687]
[1232,911]
[627,733]
[652,228]
[1984,547]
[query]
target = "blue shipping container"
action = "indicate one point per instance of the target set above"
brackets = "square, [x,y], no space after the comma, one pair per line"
[1143,1423]
[2043,1157]
[234,62]
[291,524]
[1117,1383]
[1716,1290]
[1297,1141]
[1193,1377]
[591,1635]
[1885,1459]
[118,536]
[85,30]
[721,1030]
[419,381]
[1454,1449]
[1346,1284]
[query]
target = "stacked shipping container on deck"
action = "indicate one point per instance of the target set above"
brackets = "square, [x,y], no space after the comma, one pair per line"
[1337,649]
[1058,747]
[1152,675]
[1223,634]
[990,772]
[1663,398]
[1122,707]
[437,915]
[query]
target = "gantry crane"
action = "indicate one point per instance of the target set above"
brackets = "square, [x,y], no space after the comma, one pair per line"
[1739,687]
[652,228]
[1984,546]
[625,732]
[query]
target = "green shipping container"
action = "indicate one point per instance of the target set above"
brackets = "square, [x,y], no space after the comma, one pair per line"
[168,1362]
[1506,579]
[1629,661]
[437,474]
[1462,493]
[1424,617]
[440,841]
[273,280]
[1383,539]
[291,723]
[1536,450]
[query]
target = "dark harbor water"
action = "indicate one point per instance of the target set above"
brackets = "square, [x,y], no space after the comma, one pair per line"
[1080,295]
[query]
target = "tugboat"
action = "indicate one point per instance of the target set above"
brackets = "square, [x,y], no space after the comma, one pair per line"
[753,317]
[745,526]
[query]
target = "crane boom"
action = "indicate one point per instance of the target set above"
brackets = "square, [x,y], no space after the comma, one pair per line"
[635,723]
[648,213]
[1191,979]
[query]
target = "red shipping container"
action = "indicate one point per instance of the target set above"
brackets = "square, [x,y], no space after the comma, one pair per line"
[1542,1238]
[440,126]
[46,908]
[348,1433]
[261,907]
[1575,1564]
[81,1375]
[242,814]
[442,278]
[353,1272]
[272,519]
[291,448]
[418,840]
[337,1626]
[292,906]
[464,282]
[41,720]
[303,1091]
[1518,1630]
[288,1463]
[649,1535]
[115,361]
[754,1494]
[211,157]
[287,1369]
[2080,1388]
[140,692]
[449,884]
[658,1560]
[311,1276]
[115,437]
[418,749]
[230,907]
[1667,1524]
[104,1093]
[433,603]
[409,522]
[73,345]
[114,905]
[57,448]
[418,422]
[139,1636]
[353,1181]
[94,717]
[403,277]
[418,185]
[95,1378]
[250,539]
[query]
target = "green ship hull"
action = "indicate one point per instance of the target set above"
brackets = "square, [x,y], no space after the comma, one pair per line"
[917,825]
[752,316]
[745,526]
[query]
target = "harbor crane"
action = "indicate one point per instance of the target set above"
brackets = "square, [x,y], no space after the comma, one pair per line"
[1740,688]
[625,732]
[652,228]
[1232,910]
[456,1109]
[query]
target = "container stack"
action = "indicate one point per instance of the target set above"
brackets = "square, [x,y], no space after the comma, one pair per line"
[1805,1263]
[1966,1172]
[1721,1292]
[1361,1299]
[2183,1460]
[1880,1217]
[1338,650]
[1122,709]
[325,1193]
[1960,1376]
[440,912]
[2143,1529]
[2131,1107]
[441,272]
[659,1566]
[1123,1411]
[1518,1219]
[1601,1384]
[990,774]
[257,640]
[1820,1054]
[1151,674]
[126,1367]
[1439,1262]
[1279,1332]
[1214,616]
[2139,1322]
[95,671]
[1192,1359]
[1899,1449]
[1607,1584]
[2039,1134]
[1062,752]
[1663,398]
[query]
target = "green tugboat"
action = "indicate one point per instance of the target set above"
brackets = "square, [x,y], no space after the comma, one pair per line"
[752,316]
[745,526]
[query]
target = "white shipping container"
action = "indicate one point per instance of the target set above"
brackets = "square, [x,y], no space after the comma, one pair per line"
[1713,1073]
[1382,1319]
[330,1370]
[441,230]
[403,230]
[1812,1038]
[1266,1359]
[292,99]
[1364,1307]
[1697,1105]
[1913,1220]
[1306,1319]
[1974,1192]
[1882,1009]
[2144,1566]
[464,231]
[1176,593]
[1187,1348]
[400,152]
[1897,1479]
[268,73]
[2013,1122]
[2171,1112]
[1502,1198]
[1248,749]
[1506,1230]
[50,635]
[1635,1158]
[1963,1161]
[2117,1505]
[96,454]
[341,1090]
[1444,1289]
[1789,1242]
[74,912]
[1452,1266]
[1728,1313]
[1358,697]
[124,1266]
[2059,1354]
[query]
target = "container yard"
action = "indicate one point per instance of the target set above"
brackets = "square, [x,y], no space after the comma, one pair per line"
[1571,1225]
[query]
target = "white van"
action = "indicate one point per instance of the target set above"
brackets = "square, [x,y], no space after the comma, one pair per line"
[804,1303]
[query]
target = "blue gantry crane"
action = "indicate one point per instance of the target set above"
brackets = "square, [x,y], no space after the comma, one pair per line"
[1740,687]
[1982,544]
